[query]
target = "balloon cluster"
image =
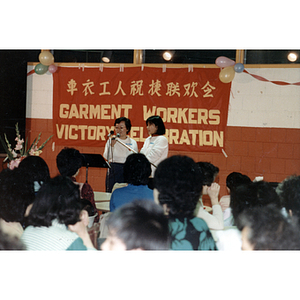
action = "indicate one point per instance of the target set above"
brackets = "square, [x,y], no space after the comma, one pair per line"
[228,68]
[46,63]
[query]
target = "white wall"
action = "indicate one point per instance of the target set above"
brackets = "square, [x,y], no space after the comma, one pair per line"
[253,103]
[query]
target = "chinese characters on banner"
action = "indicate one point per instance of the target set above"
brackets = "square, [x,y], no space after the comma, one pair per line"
[192,104]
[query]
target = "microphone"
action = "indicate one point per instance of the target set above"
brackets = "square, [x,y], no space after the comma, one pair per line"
[111,133]
[117,135]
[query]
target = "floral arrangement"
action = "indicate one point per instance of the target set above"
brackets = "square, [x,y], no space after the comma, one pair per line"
[20,151]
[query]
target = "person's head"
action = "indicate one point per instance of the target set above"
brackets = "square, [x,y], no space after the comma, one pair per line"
[137,169]
[235,179]
[289,194]
[254,194]
[178,185]
[87,205]
[122,126]
[138,225]
[36,169]
[68,161]
[16,193]
[265,228]
[58,198]
[209,172]
[155,125]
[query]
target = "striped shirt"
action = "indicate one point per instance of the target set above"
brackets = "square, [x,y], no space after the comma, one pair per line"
[55,237]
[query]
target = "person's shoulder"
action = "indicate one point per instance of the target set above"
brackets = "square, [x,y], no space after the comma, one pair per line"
[199,223]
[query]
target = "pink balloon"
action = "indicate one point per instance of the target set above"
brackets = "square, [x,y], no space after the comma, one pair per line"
[224,62]
[52,68]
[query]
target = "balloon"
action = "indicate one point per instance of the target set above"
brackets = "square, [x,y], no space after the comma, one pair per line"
[223,62]
[52,68]
[46,58]
[227,74]
[239,67]
[40,69]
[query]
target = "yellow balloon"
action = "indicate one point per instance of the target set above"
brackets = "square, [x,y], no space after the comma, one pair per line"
[46,58]
[227,74]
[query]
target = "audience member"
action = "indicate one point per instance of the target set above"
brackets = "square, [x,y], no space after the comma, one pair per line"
[137,170]
[245,196]
[212,189]
[138,225]
[177,187]
[233,180]
[265,228]
[56,221]
[37,170]
[116,153]
[289,194]
[16,194]
[69,162]
[156,146]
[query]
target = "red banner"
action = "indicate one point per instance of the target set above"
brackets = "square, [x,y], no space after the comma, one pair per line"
[193,104]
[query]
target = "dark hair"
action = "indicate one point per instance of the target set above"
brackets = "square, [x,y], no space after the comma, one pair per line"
[88,206]
[289,194]
[16,193]
[59,198]
[254,194]
[209,172]
[235,179]
[140,224]
[137,169]
[36,168]
[269,229]
[68,161]
[127,123]
[178,180]
[157,121]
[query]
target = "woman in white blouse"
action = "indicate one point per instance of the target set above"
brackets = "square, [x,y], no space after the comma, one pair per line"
[156,146]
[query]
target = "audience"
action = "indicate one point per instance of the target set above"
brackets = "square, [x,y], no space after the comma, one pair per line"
[138,225]
[137,170]
[266,228]
[246,196]
[212,189]
[16,194]
[233,180]
[177,187]
[56,221]
[69,162]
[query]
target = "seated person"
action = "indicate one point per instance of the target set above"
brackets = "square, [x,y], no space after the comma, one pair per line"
[177,187]
[267,228]
[37,170]
[212,189]
[56,221]
[245,196]
[233,180]
[137,170]
[69,162]
[138,225]
[289,194]
[16,194]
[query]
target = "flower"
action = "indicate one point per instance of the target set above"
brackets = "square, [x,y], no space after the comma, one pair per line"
[20,151]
